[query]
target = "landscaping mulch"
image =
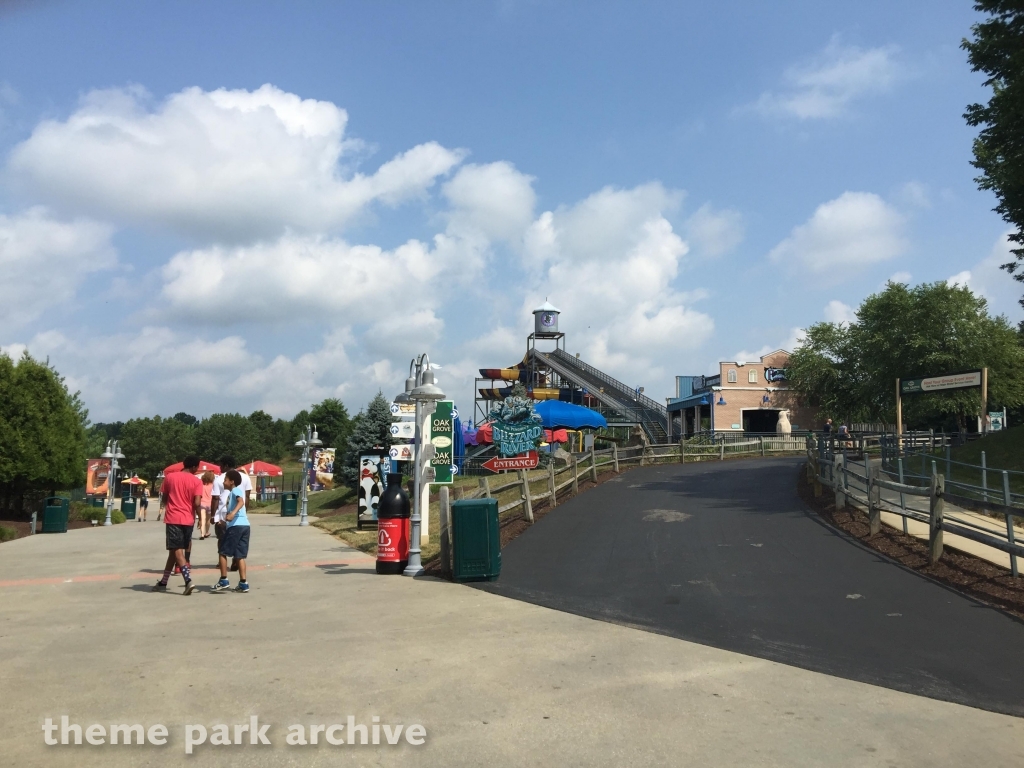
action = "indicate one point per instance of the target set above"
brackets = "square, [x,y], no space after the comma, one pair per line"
[973,576]
[22,527]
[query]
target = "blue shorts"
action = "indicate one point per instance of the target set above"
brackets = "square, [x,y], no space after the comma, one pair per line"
[234,542]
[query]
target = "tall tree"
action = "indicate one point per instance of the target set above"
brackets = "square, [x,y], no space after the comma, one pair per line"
[149,445]
[228,433]
[998,50]
[185,418]
[332,422]
[850,370]
[275,435]
[42,432]
[371,430]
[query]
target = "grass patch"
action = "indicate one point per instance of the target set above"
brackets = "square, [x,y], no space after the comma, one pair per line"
[1003,450]
[6,534]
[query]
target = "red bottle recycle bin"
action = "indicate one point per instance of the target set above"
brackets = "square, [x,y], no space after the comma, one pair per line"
[393,527]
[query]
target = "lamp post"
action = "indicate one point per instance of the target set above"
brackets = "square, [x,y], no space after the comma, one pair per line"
[421,389]
[307,441]
[113,453]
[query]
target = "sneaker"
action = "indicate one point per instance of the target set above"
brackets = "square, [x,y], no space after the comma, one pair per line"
[190,585]
[243,586]
[221,585]
[159,587]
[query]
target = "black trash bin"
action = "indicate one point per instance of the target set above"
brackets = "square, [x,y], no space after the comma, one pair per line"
[476,543]
[289,504]
[55,514]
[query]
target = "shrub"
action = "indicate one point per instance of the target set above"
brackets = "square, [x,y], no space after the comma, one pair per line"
[98,514]
[6,534]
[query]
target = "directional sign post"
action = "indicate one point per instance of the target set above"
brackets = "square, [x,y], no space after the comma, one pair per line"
[442,437]
[528,460]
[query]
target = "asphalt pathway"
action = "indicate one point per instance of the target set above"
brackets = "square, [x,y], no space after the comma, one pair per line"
[725,554]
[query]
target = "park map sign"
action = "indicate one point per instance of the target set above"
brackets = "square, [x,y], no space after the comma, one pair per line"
[939,383]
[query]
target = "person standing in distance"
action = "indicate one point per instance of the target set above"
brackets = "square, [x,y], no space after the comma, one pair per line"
[235,541]
[181,493]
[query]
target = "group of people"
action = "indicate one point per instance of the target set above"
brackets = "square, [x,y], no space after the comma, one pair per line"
[842,434]
[188,502]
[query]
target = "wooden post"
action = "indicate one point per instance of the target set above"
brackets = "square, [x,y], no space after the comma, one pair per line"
[721,451]
[551,481]
[899,419]
[485,483]
[615,457]
[575,476]
[593,465]
[937,490]
[817,478]
[524,475]
[839,482]
[874,500]
[682,450]
[446,517]
[984,399]
[760,439]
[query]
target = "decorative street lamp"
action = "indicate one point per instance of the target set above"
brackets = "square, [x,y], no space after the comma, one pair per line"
[307,441]
[113,453]
[421,389]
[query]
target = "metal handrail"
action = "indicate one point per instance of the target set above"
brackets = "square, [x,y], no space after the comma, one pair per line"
[646,401]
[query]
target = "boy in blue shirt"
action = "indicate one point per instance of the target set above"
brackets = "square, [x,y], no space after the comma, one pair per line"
[235,541]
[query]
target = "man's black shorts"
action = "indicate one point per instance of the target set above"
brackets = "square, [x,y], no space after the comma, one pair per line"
[178,536]
[234,542]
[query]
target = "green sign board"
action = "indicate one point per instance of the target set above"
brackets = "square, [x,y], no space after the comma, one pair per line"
[939,383]
[442,437]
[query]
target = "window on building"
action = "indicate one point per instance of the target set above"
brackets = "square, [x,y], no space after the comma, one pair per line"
[732,376]
[752,375]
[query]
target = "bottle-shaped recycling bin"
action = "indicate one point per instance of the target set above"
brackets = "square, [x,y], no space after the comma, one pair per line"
[393,527]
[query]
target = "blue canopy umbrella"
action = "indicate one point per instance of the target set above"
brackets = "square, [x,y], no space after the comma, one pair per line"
[555,414]
[459,449]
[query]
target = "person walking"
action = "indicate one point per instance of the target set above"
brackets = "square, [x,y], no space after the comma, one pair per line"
[143,505]
[181,494]
[235,541]
[205,505]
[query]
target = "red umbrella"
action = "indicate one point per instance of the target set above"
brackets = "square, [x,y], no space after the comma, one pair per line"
[261,469]
[204,466]
[485,434]
[135,480]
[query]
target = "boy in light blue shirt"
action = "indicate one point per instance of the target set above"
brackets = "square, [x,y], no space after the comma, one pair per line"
[235,541]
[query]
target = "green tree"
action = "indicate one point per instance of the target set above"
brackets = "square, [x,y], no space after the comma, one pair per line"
[371,429]
[998,50]
[150,444]
[185,418]
[274,435]
[332,422]
[850,371]
[42,433]
[228,433]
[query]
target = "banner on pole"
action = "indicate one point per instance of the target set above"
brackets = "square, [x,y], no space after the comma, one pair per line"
[442,437]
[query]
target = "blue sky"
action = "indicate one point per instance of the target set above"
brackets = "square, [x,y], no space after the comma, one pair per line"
[231,206]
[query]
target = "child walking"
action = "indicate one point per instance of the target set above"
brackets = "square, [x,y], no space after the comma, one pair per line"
[235,541]
[204,505]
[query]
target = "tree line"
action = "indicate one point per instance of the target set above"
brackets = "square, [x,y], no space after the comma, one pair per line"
[849,370]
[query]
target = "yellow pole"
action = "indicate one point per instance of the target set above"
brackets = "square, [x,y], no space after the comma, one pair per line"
[984,399]
[899,419]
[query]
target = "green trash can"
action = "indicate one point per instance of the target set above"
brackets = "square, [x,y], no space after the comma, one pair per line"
[289,504]
[128,507]
[55,514]
[476,544]
[97,501]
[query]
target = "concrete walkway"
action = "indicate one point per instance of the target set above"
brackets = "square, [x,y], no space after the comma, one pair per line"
[494,681]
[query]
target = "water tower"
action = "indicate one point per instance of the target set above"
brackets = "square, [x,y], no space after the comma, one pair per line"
[545,321]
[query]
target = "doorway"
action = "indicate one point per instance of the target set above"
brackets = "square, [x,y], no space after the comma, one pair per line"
[760,419]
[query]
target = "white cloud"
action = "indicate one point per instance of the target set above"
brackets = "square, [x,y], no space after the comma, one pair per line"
[900,277]
[714,232]
[987,279]
[495,200]
[844,236]
[838,312]
[43,261]
[914,194]
[791,342]
[229,165]
[826,85]
[609,263]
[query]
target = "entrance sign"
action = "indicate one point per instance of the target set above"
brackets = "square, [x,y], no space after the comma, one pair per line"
[516,427]
[442,437]
[497,463]
[938,383]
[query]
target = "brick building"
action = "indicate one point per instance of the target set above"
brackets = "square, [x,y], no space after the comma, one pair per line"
[743,396]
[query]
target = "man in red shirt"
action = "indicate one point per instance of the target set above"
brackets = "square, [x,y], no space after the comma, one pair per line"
[181,494]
